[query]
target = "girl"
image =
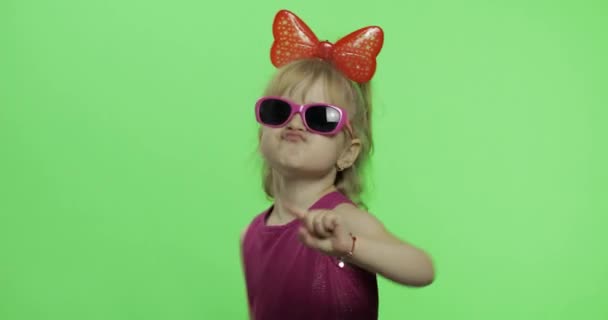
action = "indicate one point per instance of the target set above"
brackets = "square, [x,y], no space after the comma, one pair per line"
[314,253]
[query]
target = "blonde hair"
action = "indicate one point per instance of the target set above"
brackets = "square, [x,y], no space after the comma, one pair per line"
[355,97]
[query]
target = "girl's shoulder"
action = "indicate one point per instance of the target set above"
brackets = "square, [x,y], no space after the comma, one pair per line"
[255,221]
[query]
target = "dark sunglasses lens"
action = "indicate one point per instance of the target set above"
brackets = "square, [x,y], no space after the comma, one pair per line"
[274,112]
[322,118]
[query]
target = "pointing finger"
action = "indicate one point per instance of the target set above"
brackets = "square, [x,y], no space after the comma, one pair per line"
[296,212]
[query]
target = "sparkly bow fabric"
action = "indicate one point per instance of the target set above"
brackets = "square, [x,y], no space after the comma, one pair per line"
[354,55]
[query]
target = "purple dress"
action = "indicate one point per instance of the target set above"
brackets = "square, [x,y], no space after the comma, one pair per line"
[287,280]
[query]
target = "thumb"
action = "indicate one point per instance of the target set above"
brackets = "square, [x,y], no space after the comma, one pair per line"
[308,238]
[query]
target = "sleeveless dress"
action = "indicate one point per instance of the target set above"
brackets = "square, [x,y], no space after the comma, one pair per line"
[289,281]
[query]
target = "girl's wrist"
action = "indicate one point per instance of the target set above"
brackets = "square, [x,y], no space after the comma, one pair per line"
[348,253]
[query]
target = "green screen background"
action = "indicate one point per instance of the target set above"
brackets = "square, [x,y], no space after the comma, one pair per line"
[128,165]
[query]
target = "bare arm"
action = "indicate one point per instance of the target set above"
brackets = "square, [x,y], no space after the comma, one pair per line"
[378,251]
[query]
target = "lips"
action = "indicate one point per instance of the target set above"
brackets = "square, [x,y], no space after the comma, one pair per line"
[293,136]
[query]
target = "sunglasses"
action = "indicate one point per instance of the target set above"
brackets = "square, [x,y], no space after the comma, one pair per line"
[320,118]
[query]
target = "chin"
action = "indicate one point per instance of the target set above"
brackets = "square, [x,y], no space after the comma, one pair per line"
[288,165]
[303,169]
[290,162]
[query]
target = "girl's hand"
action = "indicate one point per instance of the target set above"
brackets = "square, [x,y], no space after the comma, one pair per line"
[323,230]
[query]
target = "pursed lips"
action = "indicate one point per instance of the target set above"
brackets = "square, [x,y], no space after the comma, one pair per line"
[293,136]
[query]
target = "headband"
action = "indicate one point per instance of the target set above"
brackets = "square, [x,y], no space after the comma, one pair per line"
[354,54]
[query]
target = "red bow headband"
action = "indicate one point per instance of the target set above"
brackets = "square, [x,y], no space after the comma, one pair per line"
[354,55]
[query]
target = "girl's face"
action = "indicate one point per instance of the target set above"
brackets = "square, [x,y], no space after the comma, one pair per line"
[293,150]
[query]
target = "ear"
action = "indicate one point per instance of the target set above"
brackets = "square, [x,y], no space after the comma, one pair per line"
[350,153]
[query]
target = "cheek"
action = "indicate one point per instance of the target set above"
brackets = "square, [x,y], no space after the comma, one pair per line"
[264,133]
[267,139]
[327,149]
[341,140]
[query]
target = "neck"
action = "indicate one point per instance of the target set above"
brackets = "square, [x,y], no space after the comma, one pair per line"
[298,193]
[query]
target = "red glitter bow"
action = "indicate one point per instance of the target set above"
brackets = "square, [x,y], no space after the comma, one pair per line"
[355,54]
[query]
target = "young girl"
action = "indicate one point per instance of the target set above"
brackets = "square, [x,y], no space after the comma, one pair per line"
[314,253]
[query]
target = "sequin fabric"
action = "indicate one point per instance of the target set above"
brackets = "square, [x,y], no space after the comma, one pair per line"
[287,280]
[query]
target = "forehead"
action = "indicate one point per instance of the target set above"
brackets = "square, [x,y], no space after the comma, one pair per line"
[309,91]
[319,90]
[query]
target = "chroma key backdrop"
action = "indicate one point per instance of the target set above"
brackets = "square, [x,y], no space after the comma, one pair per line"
[128,163]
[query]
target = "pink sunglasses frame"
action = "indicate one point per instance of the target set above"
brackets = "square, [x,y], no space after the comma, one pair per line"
[301,109]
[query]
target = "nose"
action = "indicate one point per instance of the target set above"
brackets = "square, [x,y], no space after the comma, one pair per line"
[296,122]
